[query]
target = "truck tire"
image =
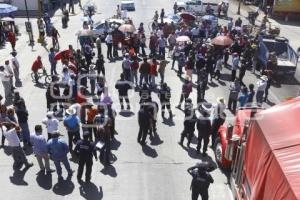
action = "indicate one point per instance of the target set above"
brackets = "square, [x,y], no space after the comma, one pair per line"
[218,151]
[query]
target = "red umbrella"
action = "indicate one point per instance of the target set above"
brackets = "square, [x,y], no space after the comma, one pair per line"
[63,54]
[187,16]
[222,41]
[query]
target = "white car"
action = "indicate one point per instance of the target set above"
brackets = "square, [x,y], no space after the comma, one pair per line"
[196,6]
[127,5]
[169,18]
[104,26]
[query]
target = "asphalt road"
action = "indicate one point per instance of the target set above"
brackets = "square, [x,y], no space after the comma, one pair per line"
[156,171]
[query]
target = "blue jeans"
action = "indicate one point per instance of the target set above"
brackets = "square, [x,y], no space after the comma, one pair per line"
[25,131]
[65,162]
[145,77]
[53,69]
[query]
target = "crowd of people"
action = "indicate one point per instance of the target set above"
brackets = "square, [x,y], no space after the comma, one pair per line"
[80,97]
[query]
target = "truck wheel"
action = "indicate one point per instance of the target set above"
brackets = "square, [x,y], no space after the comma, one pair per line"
[218,151]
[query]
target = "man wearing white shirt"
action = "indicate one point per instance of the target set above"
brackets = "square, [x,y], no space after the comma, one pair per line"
[51,124]
[109,42]
[16,67]
[261,87]
[9,71]
[5,79]
[10,131]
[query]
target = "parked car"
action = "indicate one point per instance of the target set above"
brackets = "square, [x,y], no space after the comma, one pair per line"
[127,5]
[286,56]
[103,27]
[197,7]
[169,18]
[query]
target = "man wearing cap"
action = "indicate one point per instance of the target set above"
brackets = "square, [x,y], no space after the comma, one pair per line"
[72,124]
[86,149]
[11,131]
[51,123]
[5,79]
[203,127]
[16,67]
[58,151]
[201,180]
[40,149]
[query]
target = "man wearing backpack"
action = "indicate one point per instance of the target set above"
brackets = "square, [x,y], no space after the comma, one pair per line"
[201,180]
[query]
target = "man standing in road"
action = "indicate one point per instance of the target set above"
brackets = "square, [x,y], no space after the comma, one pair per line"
[40,149]
[86,150]
[52,61]
[51,123]
[58,151]
[98,46]
[144,71]
[164,95]
[5,79]
[16,67]
[109,42]
[123,86]
[204,128]
[11,131]
[201,180]
[71,122]
[10,72]
[144,124]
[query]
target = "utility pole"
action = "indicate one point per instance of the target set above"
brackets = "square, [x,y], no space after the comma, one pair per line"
[239,8]
[29,27]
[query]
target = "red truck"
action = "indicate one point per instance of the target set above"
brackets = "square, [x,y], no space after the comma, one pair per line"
[262,150]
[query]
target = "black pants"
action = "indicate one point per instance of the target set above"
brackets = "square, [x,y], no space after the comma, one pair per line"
[202,193]
[115,50]
[217,74]
[105,152]
[73,137]
[183,96]
[164,105]
[109,51]
[216,123]
[233,74]
[143,132]
[121,98]
[186,133]
[232,104]
[88,170]
[205,139]
[99,50]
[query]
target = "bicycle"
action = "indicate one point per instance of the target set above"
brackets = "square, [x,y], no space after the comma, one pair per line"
[41,74]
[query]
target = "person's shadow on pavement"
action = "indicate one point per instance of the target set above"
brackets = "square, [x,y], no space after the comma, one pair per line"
[109,170]
[149,151]
[63,187]
[90,191]
[44,180]
[18,177]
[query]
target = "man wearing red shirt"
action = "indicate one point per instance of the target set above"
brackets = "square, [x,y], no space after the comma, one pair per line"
[12,39]
[153,71]
[37,64]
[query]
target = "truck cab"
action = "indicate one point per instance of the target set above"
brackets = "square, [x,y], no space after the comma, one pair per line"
[229,135]
[196,6]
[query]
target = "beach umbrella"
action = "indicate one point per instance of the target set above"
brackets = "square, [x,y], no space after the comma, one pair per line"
[183,39]
[6,8]
[187,16]
[7,19]
[62,54]
[127,28]
[222,41]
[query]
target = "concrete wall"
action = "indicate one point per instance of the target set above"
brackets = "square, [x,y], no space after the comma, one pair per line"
[31,4]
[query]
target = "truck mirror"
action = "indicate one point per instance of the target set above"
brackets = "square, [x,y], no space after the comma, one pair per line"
[229,131]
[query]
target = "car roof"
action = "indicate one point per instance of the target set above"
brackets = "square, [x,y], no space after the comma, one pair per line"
[127,1]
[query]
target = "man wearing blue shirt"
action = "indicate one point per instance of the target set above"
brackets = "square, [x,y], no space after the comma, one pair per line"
[58,150]
[71,122]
